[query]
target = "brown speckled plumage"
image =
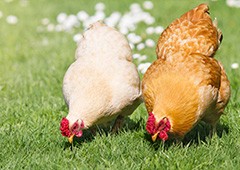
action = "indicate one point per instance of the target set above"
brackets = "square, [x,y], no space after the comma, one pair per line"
[193,32]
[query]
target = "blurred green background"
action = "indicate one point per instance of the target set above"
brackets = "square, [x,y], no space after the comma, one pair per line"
[33,61]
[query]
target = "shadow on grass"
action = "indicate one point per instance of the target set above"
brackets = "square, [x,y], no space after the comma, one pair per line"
[130,125]
[77,142]
[88,136]
[199,134]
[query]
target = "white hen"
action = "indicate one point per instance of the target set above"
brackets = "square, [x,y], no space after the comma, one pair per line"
[102,84]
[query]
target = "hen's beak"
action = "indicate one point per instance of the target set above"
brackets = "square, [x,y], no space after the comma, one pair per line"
[70,139]
[154,137]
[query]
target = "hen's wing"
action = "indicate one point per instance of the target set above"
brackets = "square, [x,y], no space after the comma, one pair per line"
[193,32]
[224,91]
[201,70]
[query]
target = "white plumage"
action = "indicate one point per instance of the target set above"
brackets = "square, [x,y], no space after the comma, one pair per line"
[102,83]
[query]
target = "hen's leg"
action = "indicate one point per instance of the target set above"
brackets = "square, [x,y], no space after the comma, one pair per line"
[213,130]
[117,124]
[93,131]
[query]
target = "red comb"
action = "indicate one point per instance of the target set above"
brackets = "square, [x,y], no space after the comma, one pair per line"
[64,127]
[163,127]
[150,126]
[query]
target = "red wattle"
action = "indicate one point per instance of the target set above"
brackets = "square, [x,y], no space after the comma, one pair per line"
[163,135]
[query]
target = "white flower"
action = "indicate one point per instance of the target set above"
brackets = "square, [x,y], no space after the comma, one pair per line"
[233,3]
[90,21]
[99,6]
[24,3]
[77,37]
[235,66]
[11,19]
[133,38]
[150,30]
[150,43]
[127,22]
[142,58]
[147,5]
[123,30]
[1,14]
[131,46]
[113,19]
[148,19]
[140,46]
[45,21]
[136,56]
[99,15]
[135,8]
[58,28]
[82,15]
[143,67]
[159,29]
[50,27]
[70,22]
[61,17]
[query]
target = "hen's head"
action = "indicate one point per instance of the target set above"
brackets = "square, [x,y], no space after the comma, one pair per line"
[158,129]
[70,132]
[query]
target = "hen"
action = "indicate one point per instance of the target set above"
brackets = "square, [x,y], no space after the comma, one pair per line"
[185,84]
[102,84]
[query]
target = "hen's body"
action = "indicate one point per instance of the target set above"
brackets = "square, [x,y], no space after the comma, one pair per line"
[102,83]
[186,91]
[185,84]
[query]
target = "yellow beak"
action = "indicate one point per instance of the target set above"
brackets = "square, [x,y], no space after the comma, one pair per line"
[154,137]
[70,139]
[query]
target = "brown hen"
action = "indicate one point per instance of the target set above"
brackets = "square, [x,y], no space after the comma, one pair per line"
[185,84]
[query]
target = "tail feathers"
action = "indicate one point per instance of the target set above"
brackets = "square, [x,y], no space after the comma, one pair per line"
[193,32]
[220,35]
[200,12]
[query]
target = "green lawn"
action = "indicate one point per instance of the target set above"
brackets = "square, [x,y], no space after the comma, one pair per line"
[32,66]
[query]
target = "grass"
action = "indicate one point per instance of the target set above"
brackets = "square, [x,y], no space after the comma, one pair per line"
[32,105]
